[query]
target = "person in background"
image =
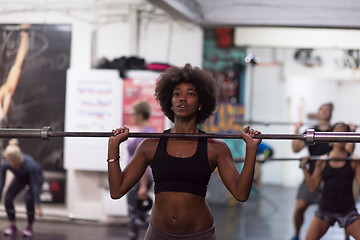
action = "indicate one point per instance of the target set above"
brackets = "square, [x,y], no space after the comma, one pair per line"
[337,202]
[304,197]
[27,173]
[140,192]
[264,151]
[182,167]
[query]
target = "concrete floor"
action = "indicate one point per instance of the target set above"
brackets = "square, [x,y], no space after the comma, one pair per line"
[266,215]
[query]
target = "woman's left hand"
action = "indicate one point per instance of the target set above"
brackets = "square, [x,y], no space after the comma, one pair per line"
[303,162]
[248,135]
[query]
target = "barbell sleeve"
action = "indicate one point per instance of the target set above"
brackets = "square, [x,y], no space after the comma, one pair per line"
[25,133]
[337,137]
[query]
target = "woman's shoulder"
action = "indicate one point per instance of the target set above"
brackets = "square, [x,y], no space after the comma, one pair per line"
[28,158]
[322,159]
[30,161]
[216,141]
[149,143]
[355,162]
[217,144]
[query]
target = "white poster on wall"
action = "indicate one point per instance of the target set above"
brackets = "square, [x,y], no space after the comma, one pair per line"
[93,104]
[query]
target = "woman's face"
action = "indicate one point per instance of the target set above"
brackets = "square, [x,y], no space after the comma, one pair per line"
[137,117]
[324,113]
[340,128]
[185,100]
[14,163]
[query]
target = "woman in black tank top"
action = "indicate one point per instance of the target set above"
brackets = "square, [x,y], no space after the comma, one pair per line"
[337,203]
[182,167]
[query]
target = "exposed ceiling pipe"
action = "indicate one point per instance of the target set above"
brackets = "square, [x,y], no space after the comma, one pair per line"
[134,20]
[187,10]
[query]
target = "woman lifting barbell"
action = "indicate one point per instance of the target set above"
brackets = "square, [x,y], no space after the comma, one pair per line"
[182,167]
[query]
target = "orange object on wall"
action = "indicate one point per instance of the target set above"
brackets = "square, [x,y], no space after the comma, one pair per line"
[224,37]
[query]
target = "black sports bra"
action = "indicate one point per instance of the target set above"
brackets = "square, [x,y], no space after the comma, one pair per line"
[173,174]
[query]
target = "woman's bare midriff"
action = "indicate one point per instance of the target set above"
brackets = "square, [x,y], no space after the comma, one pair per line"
[181,213]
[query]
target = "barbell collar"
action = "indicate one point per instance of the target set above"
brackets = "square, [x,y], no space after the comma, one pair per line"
[44,134]
[310,136]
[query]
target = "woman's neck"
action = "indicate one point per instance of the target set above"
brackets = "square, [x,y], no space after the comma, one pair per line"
[324,124]
[143,124]
[184,127]
[18,166]
[339,151]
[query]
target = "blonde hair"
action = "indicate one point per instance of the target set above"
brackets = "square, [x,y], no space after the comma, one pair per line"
[13,151]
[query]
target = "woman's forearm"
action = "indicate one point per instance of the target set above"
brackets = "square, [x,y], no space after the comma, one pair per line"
[246,177]
[115,174]
[308,180]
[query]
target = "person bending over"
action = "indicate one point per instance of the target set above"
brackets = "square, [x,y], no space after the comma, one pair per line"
[26,172]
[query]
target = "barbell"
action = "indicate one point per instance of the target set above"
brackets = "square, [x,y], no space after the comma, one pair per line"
[310,137]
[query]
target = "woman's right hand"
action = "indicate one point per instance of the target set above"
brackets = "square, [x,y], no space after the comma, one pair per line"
[303,162]
[298,125]
[120,135]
